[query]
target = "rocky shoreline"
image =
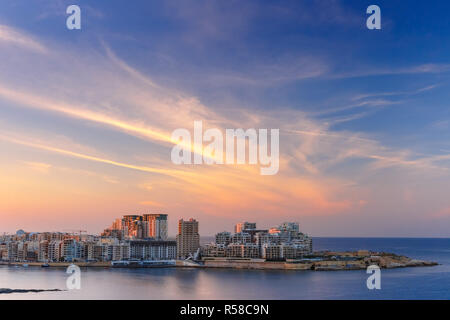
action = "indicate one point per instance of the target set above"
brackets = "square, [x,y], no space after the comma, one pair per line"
[6,290]
[320,261]
[362,259]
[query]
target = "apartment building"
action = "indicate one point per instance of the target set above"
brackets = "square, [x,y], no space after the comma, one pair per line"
[155,226]
[223,238]
[188,238]
[241,237]
[241,226]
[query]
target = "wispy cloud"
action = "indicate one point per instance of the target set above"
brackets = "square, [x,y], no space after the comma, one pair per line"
[38,166]
[11,36]
[78,155]
[428,68]
[371,103]
[34,101]
[395,93]
[121,97]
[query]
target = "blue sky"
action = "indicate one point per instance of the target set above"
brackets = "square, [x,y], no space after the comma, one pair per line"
[363,113]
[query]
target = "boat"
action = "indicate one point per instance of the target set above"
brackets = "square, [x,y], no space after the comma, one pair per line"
[25,265]
[45,265]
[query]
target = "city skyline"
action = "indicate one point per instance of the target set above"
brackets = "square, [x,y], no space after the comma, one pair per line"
[141,240]
[126,220]
[86,115]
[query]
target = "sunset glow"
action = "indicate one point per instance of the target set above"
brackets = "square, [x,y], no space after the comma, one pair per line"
[86,120]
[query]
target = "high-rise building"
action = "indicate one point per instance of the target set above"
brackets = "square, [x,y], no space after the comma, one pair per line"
[132,226]
[241,226]
[155,226]
[188,238]
[139,227]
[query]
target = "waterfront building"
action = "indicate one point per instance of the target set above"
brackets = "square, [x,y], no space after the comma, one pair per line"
[241,237]
[155,226]
[121,251]
[72,250]
[214,250]
[280,243]
[12,250]
[31,250]
[242,250]
[265,237]
[22,251]
[3,250]
[294,250]
[43,250]
[188,238]
[223,238]
[272,251]
[55,250]
[143,239]
[153,250]
[94,251]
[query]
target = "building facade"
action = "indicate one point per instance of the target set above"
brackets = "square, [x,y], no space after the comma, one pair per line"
[241,226]
[156,226]
[188,238]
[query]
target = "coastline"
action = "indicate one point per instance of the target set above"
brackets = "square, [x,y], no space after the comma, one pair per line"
[319,261]
[244,284]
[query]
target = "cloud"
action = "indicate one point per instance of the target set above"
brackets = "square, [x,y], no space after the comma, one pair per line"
[428,68]
[377,103]
[319,167]
[395,93]
[38,166]
[74,111]
[76,171]
[12,36]
[88,157]
[266,74]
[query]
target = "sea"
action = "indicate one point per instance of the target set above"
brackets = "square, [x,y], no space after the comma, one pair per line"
[192,284]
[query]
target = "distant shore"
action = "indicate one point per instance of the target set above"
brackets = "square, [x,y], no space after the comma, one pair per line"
[9,291]
[105,264]
[319,261]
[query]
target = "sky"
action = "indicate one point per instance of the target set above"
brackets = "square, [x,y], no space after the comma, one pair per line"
[86,115]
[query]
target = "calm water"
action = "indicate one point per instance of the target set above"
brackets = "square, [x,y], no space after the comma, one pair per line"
[410,283]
